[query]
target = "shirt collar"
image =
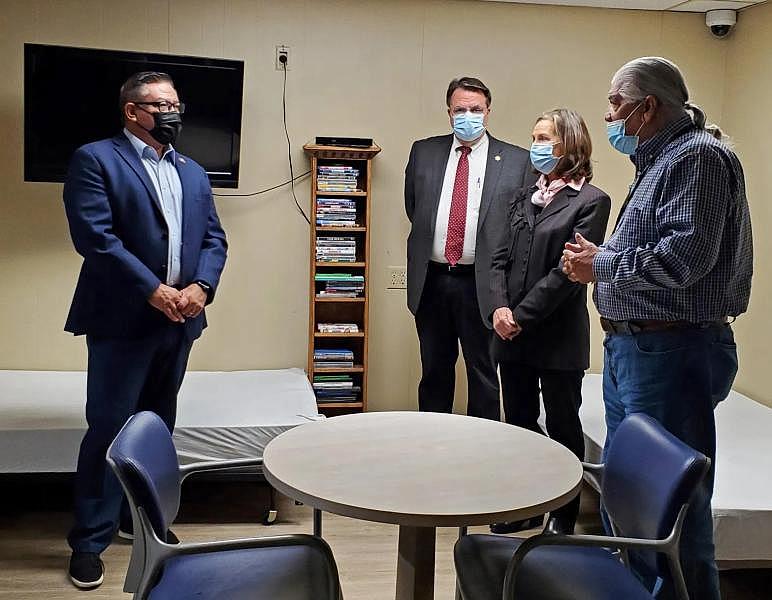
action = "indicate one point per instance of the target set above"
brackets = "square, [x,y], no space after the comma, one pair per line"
[577,185]
[559,184]
[650,149]
[147,151]
[481,143]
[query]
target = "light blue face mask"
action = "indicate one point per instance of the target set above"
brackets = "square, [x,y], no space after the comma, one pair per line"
[542,159]
[468,126]
[626,144]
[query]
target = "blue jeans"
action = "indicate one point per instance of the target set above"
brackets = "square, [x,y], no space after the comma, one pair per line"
[677,376]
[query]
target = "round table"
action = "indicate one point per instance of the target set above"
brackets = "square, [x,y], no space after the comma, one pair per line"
[421,471]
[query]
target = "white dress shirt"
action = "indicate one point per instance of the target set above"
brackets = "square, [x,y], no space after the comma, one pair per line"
[168,189]
[478,160]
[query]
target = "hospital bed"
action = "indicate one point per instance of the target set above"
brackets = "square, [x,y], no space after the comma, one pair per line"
[220,415]
[742,500]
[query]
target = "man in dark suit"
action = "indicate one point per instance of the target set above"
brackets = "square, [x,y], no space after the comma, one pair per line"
[457,188]
[143,218]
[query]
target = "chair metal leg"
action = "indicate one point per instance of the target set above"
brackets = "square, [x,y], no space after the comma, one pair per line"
[137,560]
[462,531]
[678,576]
[317,522]
[134,571]
[674,555]
[272,514]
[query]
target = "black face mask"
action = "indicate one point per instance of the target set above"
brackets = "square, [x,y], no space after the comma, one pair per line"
[167,127]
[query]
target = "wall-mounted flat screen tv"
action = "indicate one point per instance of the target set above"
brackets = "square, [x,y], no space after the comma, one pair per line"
[71,98]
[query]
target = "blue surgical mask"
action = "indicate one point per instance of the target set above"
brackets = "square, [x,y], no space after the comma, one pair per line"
[542,159]
[626,144]
[468,126]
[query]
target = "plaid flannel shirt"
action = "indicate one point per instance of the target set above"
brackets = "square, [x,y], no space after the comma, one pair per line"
[682,248]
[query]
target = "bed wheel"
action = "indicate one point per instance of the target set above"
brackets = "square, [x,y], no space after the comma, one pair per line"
[270,517]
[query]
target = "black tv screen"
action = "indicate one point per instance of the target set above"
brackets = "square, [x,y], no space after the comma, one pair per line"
[71,98]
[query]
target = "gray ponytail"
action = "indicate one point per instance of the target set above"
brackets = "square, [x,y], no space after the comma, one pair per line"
[698,115]
[698,118]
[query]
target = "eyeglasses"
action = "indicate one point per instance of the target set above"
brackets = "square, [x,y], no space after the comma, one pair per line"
[164,106]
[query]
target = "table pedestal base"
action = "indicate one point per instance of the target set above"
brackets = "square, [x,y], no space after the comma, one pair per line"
[415,563]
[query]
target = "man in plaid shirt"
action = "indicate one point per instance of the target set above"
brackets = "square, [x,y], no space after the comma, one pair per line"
[672,276]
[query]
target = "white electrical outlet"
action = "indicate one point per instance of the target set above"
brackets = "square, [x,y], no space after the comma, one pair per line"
[397,278]
[282,52]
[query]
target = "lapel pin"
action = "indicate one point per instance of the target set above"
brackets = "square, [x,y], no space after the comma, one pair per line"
[497,157]
[182,160]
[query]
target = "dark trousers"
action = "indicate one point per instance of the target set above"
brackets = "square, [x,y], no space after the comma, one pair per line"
[124,377]
[449,312]
[561,392]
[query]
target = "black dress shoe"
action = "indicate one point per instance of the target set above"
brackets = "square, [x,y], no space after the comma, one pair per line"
[513,526]
[86,570]
[558,526]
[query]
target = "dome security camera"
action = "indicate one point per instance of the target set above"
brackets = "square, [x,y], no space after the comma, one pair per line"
[720,22]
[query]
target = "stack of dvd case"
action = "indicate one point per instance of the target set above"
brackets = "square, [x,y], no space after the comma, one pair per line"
[337,178]
[333,358]
[342,248]
[340,285]
[335,388]
[336,212]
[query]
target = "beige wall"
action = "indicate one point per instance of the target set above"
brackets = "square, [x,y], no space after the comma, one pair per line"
[747,120]
[398,56]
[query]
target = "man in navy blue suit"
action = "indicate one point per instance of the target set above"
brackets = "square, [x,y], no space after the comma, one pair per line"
[143,218]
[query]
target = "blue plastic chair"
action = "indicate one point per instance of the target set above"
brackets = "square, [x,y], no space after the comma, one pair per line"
[646,483]
[285,567]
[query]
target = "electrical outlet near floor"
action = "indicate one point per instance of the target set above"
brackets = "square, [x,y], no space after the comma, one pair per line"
[397,278]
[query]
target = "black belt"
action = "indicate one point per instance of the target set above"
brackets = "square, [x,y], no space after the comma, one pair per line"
[647,325]
[457,269]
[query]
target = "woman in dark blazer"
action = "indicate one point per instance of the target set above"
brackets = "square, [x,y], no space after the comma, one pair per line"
[542,325]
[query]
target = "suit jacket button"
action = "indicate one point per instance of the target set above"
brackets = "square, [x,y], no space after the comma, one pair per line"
[163,266]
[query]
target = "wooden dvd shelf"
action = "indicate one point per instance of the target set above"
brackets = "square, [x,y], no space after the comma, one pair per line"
[338,328]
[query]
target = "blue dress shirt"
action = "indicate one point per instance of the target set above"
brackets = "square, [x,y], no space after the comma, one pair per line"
[168,189]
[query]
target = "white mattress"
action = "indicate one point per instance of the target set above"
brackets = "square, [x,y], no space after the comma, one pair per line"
[235,414]
[220,415]
[742,499]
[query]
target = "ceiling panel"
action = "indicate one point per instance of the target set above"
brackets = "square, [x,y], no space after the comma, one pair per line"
[631,4]
[676,5]
[705,6]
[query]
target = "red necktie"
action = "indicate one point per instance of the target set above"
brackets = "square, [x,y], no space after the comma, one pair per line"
[454,244]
